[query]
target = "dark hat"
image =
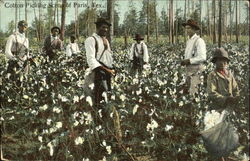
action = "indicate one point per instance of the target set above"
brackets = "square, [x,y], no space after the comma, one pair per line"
[102,21]
[55,27]
[138,37]
[220,53]
[22,23]
[191,23]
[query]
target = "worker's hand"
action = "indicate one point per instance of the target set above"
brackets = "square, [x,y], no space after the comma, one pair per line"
[112,72]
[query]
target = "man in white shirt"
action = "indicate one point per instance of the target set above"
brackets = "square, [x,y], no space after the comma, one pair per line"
[195,56]
[138,54]
[99,59]
[72,48]
[17,48]
[53,44]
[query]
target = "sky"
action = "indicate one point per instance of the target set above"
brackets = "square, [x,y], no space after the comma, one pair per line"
[8,7]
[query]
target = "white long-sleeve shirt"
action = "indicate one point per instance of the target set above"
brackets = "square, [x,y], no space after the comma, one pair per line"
[140,47]
[11,46]
[72,48]
[92,58]
[197,53]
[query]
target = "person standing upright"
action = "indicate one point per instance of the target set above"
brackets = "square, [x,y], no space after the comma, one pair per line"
[17,49]
[195,56]
[138,54]
[53,44]
[72,48]
[100,60]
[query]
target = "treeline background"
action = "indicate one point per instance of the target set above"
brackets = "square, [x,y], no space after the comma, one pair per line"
[221,20]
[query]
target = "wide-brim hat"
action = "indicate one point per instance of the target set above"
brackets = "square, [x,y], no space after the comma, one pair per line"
[138,37]
[55,27]
[191,23]
[102,21]
[220,53]
[22,23]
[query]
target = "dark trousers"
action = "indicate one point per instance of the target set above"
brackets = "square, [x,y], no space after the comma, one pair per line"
[102,84]
[137,65]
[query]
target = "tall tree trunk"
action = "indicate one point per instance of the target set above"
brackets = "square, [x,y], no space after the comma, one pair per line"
[185,19]
[25,11]
[220,24]
[225,24]
[200,18]
[64,5]
[176,24]
[54,16]
[248,18]
[230,19]
[148,34]
[208,21]
[126,39]
[16,17]
[188,7]
[76,22]
[156,22]
[39,22]
[36,21]
[239,17]
[214,18]
[236,23]
[110,11]
[171,25]
[57,13]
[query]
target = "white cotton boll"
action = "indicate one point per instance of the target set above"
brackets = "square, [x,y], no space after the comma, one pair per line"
[49,121]
[135,109]
[212,118]
[108,148]
[58,125]
[79,140]
[25,96]
[8,76]
[100,113]
[51,150]
[76,123]
[64,99]
[56,110]
[139,92]
[43,108]
[76,99]
[98,128]
[88,118]
[40,138]
[168,127]
[175,77]
[89,100]
[152,136]
[122,97]
[111,115]
[104,159]
[140,100]
[85,159]
[156,95]
[91,86]
[104,143]
[113,97]
[135,80]
[181,103]
[105,96]
[52,130]
[151,126]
